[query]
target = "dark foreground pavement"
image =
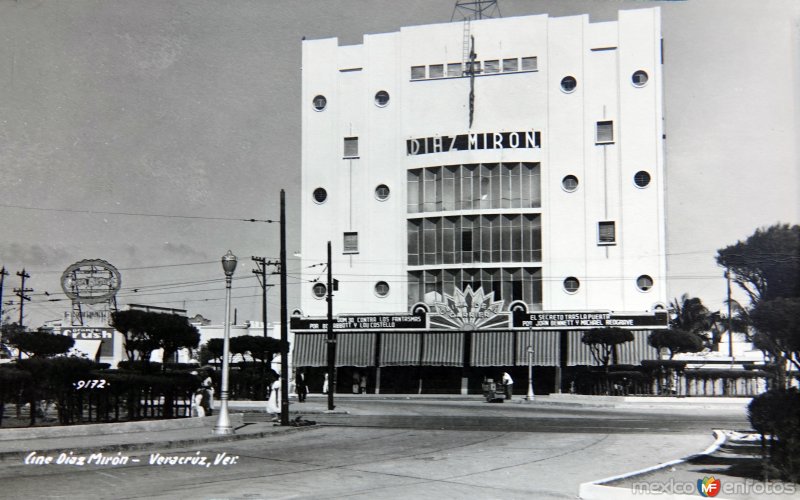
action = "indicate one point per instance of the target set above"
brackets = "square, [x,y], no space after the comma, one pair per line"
[387,448]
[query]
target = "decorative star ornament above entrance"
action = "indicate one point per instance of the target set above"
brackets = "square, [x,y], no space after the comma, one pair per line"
[469,310]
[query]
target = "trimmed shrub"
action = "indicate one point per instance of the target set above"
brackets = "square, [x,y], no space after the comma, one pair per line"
[777,414]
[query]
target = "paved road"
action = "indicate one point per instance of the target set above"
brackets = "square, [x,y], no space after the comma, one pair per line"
[520,416]
[397,449]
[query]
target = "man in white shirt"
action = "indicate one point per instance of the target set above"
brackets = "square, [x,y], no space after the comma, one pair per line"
[508,383]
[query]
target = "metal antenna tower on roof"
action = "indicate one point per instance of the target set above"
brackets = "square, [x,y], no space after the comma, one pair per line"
[475,9]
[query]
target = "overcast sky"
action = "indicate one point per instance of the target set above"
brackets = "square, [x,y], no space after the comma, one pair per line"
[192,108]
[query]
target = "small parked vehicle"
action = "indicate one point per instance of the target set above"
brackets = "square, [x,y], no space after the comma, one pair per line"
[493,392]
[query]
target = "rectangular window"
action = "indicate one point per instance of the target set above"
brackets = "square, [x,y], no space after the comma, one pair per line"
[417,72]
[414,191]
[350,243]
[605,132]
[448,240]
[466,241]
[414,282]
[510,65]
[606,233]
[414,238]
[492,66]
[351,147]
[436,71]
[474,67]
[529,64]
[429,241]
[454,69]
[448,187]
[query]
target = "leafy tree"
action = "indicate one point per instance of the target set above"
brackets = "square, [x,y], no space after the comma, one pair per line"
[172,332]
[214,348]
[676,341]
[7,333]
[146,331]
[261,348]
[767,264]
[133,325]
[39,343]
[603,343]
[777,325]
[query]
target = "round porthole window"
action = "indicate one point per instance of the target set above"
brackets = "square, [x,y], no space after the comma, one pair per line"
[571,284]
[381,289]
[569,183]
[320,195]
[382,192]
[568,84]
[641,179]
[319,290]
[644,282]
[320,102]
[639,78]
[381,98]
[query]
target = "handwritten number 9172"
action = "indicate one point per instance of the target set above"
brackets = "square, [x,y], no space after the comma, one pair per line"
[90,384]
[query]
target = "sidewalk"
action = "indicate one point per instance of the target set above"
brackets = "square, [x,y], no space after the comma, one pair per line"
[733,460]
[16,443]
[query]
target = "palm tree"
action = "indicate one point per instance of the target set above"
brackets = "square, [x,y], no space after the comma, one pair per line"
[690,315]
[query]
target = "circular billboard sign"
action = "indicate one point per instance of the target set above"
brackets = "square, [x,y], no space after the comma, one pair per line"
[91,281]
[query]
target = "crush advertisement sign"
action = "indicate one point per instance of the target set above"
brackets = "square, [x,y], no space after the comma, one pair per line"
[104,335]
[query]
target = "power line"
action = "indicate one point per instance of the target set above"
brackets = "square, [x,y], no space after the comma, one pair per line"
[135,214]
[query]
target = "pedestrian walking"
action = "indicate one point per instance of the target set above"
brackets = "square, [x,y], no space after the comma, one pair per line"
[508,383]
[274,398]
[300,385]
[325,384]
[356,383]
[362,384]
[197,403]
[208,395]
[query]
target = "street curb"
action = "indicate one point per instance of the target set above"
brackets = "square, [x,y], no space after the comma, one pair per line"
[596,490]
[182,443]
[110,428]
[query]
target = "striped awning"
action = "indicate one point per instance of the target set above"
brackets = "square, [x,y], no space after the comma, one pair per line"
[492,349]
[352,349]
[355,349]
[545,347]
[310,349]
[400,349]
[629,353]
[579,353]
[632,353]
[87,347]
[443,349]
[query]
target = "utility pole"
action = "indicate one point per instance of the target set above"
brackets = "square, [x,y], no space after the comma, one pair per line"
[331,341]
[261,274]
[3,274]
[21,291]
[730,320]
[284,320]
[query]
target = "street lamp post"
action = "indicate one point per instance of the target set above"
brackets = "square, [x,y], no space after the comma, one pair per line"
[224,422]
[530,373]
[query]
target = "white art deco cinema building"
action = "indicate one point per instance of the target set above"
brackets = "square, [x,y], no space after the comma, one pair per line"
[486,186]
